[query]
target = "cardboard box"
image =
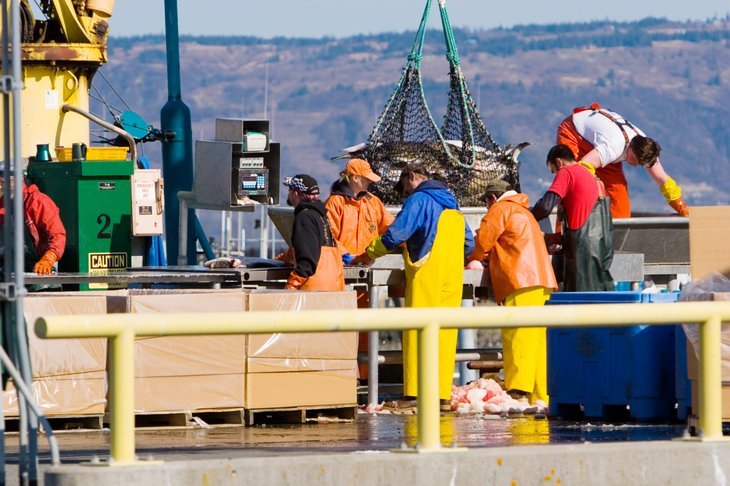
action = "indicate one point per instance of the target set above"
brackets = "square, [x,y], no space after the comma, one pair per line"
[301,370]
[302,388]
[725,399]
[709,232]
[178,373]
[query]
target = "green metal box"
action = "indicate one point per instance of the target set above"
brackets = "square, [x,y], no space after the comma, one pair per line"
[95,201]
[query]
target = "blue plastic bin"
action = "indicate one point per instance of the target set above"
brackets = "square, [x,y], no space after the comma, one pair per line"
[604,370]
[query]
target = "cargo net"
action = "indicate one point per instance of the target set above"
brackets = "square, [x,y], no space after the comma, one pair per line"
[405,133]
[462,152]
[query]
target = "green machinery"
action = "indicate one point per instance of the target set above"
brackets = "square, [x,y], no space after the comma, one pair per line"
[95,201]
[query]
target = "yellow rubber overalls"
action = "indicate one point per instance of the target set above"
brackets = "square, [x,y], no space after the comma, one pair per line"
[436,280]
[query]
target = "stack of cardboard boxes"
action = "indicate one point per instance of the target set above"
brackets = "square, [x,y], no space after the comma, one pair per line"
[187,373]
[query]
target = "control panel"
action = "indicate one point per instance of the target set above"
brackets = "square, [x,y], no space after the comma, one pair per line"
[240,167]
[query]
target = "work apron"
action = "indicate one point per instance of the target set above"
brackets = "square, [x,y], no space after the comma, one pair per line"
[588,251]
[330,274]
[436,280]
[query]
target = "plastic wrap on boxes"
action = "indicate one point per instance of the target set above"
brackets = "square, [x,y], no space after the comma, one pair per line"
[72,394]
[714,287]
[332,345]
[68,374]
[52,357]
[176,373]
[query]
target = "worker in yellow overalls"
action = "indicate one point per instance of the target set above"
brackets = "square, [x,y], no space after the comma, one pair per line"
[521,275]
[437,242]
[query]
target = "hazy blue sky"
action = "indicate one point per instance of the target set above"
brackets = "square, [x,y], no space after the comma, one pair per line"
[317,18]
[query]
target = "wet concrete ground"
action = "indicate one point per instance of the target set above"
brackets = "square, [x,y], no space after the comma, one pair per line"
[367,433]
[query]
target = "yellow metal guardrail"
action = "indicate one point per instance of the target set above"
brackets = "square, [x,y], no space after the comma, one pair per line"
[121,330]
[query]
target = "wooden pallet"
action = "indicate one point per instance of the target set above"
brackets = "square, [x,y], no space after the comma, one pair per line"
[61,423]
[196,418]
[301,415]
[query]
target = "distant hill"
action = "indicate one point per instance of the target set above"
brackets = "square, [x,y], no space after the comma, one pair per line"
[671,79]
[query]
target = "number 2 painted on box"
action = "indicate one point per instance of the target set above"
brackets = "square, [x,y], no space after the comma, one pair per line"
[105,221]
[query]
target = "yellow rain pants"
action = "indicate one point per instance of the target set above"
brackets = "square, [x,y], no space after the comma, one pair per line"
[436,280]
[524,349]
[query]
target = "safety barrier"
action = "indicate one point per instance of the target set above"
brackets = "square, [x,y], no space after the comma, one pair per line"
[121,330]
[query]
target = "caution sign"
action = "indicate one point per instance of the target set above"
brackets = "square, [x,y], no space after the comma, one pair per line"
[106,263]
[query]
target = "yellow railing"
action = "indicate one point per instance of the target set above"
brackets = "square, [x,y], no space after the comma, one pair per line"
[121,330]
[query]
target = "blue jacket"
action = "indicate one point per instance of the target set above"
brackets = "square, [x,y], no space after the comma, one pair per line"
[417,221]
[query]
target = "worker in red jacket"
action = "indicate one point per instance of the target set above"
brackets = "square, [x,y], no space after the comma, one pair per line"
[45,235]
[602,139]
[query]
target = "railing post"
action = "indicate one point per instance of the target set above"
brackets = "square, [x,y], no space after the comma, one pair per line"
[121,384]
[429,434]
[710,399]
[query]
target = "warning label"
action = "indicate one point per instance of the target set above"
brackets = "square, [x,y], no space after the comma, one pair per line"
[105,264]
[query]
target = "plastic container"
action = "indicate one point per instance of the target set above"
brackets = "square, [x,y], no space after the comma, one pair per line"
[63,154]
[612,372]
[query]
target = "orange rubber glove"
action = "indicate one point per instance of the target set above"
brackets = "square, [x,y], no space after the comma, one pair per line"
[45,264]
[295,281]
[680,206]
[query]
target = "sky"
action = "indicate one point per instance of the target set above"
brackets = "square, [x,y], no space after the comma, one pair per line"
[342,18]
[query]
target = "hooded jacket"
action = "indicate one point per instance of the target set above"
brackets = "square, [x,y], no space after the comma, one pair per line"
[42,221]
[511,237]
[355,219]
[309,235]
[417,221]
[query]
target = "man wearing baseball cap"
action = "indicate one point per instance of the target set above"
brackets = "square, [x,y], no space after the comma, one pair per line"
[521,275]
[356,216]
[317,256]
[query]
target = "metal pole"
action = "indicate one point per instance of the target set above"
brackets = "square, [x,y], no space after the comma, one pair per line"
[121,383]
[177,153]
[710,399]
[429,437]
[19,256]
[373,350]
[7,233]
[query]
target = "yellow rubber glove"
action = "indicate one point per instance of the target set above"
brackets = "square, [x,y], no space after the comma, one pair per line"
[295,281]
[45,264]
[671,190]
[376,248]
[588,166]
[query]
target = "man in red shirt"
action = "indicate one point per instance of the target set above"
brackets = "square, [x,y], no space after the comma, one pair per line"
[587,226]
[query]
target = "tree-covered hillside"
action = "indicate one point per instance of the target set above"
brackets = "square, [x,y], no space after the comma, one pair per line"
[670,79]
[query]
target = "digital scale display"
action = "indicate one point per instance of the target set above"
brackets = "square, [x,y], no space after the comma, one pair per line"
[253,182]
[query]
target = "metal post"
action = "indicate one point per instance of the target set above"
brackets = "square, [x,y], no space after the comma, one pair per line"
[182,252]
[121,382]
[264,233]
[5,308]
[467,340]
[373,351]
[710,399]
[429,437]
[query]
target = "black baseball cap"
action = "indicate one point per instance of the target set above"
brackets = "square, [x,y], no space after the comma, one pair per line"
[303,183]
[416,167]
